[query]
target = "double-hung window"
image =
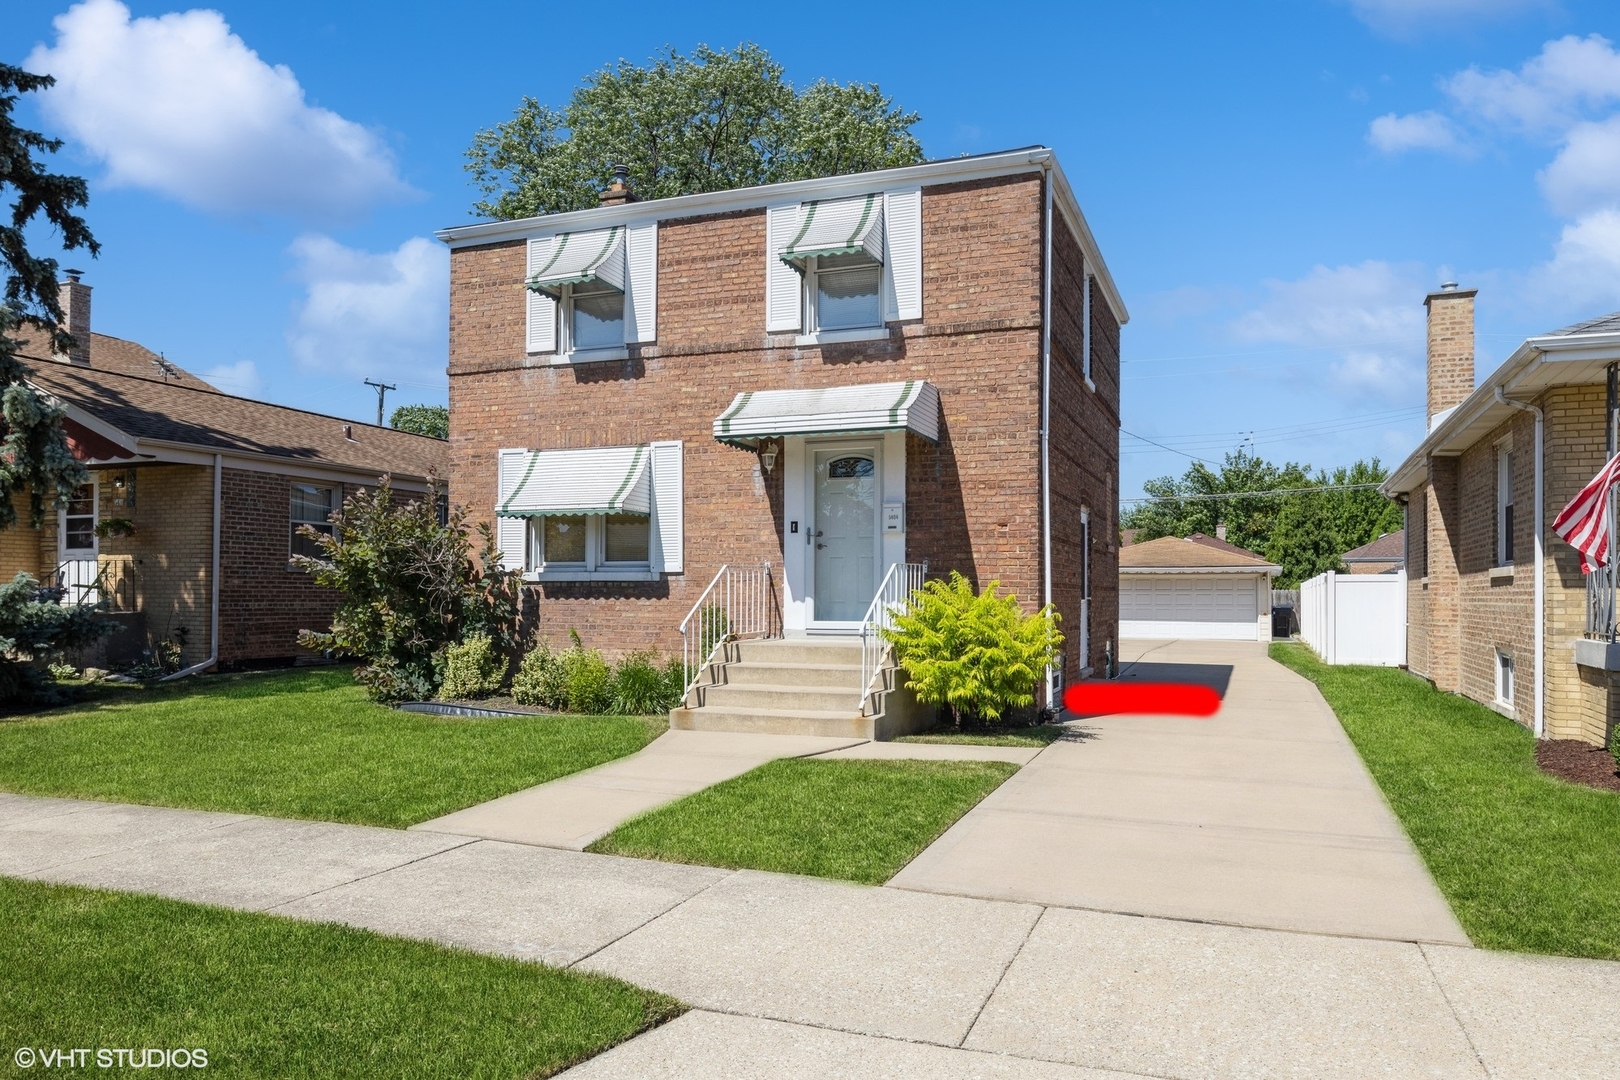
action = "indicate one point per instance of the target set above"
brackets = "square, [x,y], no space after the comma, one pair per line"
[601,513]
[312,506]
[842,292]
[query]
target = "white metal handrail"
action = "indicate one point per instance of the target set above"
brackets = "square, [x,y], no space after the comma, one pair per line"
[1601,587]
[739,603]
[893,598]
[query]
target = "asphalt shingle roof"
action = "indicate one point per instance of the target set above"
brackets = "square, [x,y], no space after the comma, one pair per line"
[1603,324]
[1175,553]
[1391,547]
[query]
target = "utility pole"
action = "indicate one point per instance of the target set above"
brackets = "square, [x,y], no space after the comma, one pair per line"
[382,392]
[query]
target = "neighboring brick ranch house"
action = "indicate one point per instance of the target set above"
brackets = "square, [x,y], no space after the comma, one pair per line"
[209,481]
[829,376]
[1385,555]
[1197,587]
[1497,607]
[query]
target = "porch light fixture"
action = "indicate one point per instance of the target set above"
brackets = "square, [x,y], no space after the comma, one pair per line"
[767,455]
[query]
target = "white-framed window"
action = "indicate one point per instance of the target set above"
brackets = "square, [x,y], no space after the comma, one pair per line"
[590,542]
[1504,505]
[1504,678]
[843,292]
[592,318]
[311,505]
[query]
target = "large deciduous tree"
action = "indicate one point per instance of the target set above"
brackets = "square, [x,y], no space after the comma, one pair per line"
[430,420]
[711,121]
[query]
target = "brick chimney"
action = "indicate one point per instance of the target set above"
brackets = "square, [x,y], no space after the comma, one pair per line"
[1220,530]
[74,296]
[618,192]
[1451,347]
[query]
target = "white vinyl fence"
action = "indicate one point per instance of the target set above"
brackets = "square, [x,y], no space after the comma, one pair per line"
[1355,618]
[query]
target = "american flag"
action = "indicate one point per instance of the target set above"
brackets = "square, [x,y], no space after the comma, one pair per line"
[1585,521]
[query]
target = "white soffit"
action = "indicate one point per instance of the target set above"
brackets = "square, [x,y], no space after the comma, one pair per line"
[841,410]
[837,227]
[601,480]
[579,257]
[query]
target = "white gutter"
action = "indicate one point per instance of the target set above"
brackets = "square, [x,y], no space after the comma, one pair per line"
[1541,570]
[1046,424]
[213,613]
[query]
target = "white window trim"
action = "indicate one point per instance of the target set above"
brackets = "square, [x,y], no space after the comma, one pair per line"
[1504,679]
[1085,330]
[595,567]
[811,305]
[63,552]
[837,337]
[1504,500]
[566,353]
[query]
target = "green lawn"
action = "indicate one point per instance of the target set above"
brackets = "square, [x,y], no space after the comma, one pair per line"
[270,997]
[304,744]
[1035,736]
[1529,863]
[852,819]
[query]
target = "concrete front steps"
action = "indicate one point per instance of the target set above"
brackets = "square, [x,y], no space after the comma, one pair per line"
[797,686]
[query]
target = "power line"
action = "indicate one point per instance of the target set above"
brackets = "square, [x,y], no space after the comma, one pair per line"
[1252,494]
[1172,449]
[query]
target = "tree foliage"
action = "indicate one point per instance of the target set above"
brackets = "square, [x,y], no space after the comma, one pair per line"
[430,420]
[1305,532]
[976,654]
[410,588]
[34,455]
[711,121]
[35,629]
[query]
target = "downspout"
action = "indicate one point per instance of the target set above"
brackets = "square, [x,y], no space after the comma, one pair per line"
[1046,426]
[1541,570]
[213,613]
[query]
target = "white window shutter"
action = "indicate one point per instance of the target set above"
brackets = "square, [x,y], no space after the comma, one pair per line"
[784,288]
[902,254]
[668,509]
[542,332]
[641,293]
[511,534]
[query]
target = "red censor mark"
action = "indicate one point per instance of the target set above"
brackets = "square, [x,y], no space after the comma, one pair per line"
[1103,698]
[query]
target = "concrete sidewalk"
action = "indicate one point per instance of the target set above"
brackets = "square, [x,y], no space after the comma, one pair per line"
[1261,816]
[800,978]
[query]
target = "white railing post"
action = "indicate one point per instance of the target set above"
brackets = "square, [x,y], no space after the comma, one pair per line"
[739,603]
[893,596]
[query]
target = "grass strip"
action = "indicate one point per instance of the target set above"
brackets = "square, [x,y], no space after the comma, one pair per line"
[1037,735]
[299,744]
[850,819]
[272,997]
[1526,860]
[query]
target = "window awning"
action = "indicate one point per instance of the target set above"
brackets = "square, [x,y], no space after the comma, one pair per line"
[837,227]
[842,410]
[580,257]
[602,480]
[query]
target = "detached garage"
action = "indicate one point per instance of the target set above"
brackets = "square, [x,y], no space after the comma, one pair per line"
[1199,587]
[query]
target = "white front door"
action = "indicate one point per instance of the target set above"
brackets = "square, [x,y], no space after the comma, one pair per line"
[844,532]
[76,545]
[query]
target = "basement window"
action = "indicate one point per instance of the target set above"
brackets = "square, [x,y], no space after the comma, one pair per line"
[1504,679]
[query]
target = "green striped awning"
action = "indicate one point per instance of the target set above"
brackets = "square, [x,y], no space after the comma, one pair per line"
[837,227]
[600,480]
[841,410]
[576,258]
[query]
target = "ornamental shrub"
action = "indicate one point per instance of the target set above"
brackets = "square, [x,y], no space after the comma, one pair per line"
[977,655]
[471,669]
[538,681]
[641,687]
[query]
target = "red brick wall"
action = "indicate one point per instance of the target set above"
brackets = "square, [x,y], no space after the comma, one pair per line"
[973,500]
[262,602]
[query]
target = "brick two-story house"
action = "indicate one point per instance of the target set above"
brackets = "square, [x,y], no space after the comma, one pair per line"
[830,376]
[215,488]
[1497,607]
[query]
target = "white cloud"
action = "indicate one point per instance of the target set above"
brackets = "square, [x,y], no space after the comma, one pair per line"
[1394,134]
[1550,91]
[1404,17]
[1364,321]
[1584,272]
[1586,173]
[180,105]
[365,315]
[241,378]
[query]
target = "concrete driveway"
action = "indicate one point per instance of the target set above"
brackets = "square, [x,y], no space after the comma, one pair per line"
[1262,815]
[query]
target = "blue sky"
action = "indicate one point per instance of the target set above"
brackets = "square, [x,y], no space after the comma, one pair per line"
[1274,185]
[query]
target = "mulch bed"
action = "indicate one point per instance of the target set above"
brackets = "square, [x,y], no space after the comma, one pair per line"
[1579,763]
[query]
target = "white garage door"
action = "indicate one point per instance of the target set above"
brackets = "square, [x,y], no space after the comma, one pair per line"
[1225,606]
